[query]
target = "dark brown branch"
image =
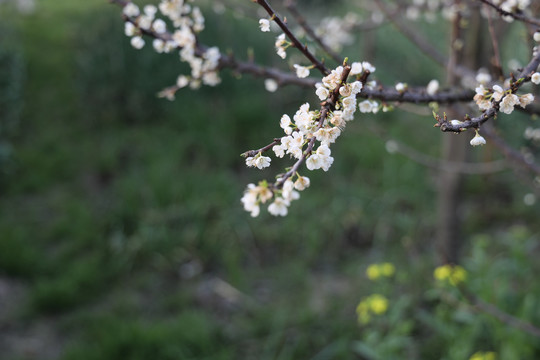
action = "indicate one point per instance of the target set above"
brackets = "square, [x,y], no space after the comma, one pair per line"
[291,6]
[475,122]
[303,48]
[517,16]
[412,95]
[249,153]
[416,95]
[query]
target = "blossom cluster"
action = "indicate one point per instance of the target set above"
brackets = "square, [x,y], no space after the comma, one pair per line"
[187,21]
[307,128]
[512,6]
[506,99]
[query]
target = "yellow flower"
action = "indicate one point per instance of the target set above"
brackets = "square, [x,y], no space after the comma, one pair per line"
[362,311]
[372,305]
[387,269]
[454,274]
[373,272]
[442,272]
[378,304]
[483,356]
[458,275]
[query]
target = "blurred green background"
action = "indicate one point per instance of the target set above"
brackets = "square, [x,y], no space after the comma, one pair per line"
[122,235]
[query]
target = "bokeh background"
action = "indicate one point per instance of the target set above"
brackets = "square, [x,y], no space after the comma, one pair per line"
[122,235]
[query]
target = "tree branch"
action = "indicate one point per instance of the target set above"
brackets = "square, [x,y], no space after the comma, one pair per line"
[303,48]
[517,16]
[291,6]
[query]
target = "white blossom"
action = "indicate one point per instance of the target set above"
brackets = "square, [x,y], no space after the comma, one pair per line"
[285,123]
[536,36]
[525,100]
[211,78]
[144,22]
[483,77]
[159,26]
[301,183]
[508,102]
[280,46]
[262,161]
[367,66]
[250,161]
[321,159]
[322,92]
[365,106]
[327,135]
[270,85]
[159,45]
[182,81]
[279,150]
[356,87]
[535,78]
[150,11]
[337,119]
[478,140]
[356,68]
[333,80]
[288,193]
[279,207]
[301,71]
[498,92]
[137,42]
[129,29]
[264,24]
[432,87]
[131,10]
[401,87]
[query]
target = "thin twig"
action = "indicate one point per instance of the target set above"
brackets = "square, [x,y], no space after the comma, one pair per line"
[517,16]
[475,122]
[513,156]
[249,153]
[419,157]
[303,48]
[421,42]
[495,44]
[482,306]
[291,6]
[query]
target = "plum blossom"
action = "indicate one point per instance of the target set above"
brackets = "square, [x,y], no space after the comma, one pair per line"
[264,24]
[281,46]
[508,102]
[301,183]
[535,78]
[270,85]
[279,207]
[131,10]
[478,139]
[301,71]
[432,87]
[137,42]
